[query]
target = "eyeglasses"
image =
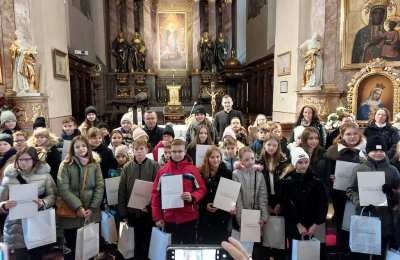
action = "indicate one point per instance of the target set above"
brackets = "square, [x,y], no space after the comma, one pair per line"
[24,159]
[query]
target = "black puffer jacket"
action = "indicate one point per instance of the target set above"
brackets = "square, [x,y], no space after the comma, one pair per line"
[304,201]
[107,159]
[388,132]
[220,219]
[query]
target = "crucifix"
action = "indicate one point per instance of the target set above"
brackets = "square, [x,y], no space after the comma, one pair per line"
[213,94]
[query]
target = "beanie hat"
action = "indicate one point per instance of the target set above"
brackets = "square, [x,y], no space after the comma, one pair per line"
[7,116]
[90,109]
[298,131]
[139,132]
[375,143]
[200,110]
[298,153]
[39,122]
[121,150]
[6,138]
[168,130]
[229,132]
[127,117]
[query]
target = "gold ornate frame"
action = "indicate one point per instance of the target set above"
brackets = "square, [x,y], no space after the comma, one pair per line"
[375,67]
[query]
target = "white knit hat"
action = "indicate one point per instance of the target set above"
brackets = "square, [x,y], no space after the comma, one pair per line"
[298,153]
[298,131]
[127,117]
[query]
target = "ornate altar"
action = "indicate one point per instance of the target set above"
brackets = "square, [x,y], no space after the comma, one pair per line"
[174,111]
[375,86]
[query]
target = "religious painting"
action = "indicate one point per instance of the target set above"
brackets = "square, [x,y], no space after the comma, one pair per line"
[60,65]
[369,30]
[283,63]
[374,92]
[172,40]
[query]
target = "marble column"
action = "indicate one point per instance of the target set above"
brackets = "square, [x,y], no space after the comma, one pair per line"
[227,22]
[211,19]
[114,27]
[148,34]
[130,18]
[196,34]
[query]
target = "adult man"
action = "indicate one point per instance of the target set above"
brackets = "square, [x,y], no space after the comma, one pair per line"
[154,132]
[223,118]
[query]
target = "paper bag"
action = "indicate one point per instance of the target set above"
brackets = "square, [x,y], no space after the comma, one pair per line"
[306,249]
[320,233]
[108,227]
[40,230]
[87,242]
[274,232]
[349,210]
[365,235]
[158,244]
[126,242]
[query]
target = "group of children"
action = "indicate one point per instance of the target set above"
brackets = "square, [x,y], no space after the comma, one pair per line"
[292,180]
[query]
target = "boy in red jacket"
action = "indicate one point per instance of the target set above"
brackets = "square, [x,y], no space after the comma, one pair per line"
[180,222]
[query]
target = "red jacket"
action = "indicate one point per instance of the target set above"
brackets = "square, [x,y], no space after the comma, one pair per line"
[192,182]
[155,150]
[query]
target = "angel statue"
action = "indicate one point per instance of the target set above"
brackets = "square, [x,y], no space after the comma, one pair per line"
[311,50]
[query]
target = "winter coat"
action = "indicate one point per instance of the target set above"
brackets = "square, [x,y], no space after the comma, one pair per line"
[131,172]
[388,133]
[257,147]
[64,136]
[222,119]
[253,192]
[220,219]
[6,159]
[47,191]
[318,166]
[69,182]
[53,159]
[192,182]
[274,199]
[319,127]
[304,201]
[392,177]
[191,132]
[155,150]
[229,161]
[108,160]
[155,135]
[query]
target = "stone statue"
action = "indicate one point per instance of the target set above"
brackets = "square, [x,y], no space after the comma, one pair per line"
[138,53]
[120,50]
[23,56]
[311,51]
[221,51]
[206,51]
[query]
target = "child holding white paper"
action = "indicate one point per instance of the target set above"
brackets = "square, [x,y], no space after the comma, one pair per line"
[180,222]
[202,136]
[214,224]
[304,199]
[27,168]
[348,147]
[253,191]
[167,137]
[140,168]
[376,161]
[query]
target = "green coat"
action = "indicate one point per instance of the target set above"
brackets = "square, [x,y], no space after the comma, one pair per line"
[69,182]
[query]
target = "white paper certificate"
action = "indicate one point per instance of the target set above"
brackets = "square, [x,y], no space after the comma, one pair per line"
[201,150]
[171,192]
[227,194]
[65,148]
[370,188]
[141,194]
[343,175]
[250,229]
[150,156]
[23,194]
[112,185]
[160,154]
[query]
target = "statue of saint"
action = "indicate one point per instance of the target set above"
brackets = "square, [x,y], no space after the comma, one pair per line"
[120,50]
[206,51]
[221,51]
[311,50]
[138,53]
[23,56]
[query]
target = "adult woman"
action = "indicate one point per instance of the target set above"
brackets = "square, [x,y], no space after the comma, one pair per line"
[380,126]
[28,168]
[214,224]
[348,148]
[203,136]
[81,188]
[309,117]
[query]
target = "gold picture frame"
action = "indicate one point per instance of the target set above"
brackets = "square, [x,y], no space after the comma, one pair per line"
[60,65]
[355,16]
[284,63]
[376,74]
